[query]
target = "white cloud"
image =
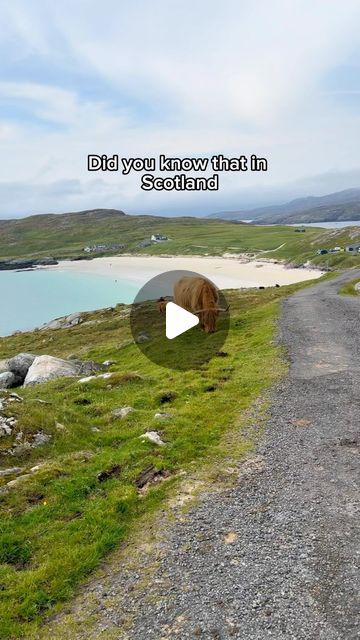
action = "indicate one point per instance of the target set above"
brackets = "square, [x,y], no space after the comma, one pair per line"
[191,78]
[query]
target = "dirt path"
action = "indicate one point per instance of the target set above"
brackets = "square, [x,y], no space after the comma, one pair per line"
[275,555]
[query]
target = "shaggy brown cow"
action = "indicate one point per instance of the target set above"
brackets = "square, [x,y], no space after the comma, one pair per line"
[162,305]
[200,297]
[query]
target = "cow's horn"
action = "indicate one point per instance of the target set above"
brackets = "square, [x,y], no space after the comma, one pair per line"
[208,309]
[203,310]
[224,310]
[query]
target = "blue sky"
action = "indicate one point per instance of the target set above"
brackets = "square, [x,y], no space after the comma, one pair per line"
[272,77]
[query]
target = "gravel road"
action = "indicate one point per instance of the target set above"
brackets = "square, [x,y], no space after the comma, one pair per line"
[276,555]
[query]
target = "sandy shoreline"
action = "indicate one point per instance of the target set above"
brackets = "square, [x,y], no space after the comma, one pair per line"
[226,273]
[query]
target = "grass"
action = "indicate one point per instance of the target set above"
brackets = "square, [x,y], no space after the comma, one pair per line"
[63,236]
[60,521]
[348,289]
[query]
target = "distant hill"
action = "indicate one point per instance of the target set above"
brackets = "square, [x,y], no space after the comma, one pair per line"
[65,235]
[326,213]
[341,205]
[41,239]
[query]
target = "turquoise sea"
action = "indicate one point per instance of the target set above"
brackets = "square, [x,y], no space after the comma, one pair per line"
[30,298]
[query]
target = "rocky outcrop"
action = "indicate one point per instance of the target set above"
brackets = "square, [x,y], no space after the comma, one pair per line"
[28,369]
[65,322]
[46,368]
[26,263]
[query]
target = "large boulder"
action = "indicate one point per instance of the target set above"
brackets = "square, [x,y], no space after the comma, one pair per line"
[7,380]
[4,366]
[46,368]
[20,365]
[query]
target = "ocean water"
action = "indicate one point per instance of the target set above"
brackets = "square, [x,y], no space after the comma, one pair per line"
[30,298]
[330,225]
[325,225]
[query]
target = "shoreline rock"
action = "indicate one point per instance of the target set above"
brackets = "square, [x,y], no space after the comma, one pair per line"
[26,263]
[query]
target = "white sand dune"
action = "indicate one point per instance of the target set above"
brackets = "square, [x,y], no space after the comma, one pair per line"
[226,273]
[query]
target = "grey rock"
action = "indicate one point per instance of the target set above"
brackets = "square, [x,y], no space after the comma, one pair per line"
[41,438]
[18,480]
[11,471]
[162,416]
[142,337]
[5,428]
[20,364]
[65,322]
[25,263]
[7,380]
[89,367]
[46,368]
[153,437]
[121,412]
[104,376]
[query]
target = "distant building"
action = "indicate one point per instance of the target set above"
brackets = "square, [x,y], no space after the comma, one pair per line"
[157,237]
[353,248]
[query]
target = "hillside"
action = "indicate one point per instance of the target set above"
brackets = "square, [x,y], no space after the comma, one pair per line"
[66,236]
[332,205]
[79,493]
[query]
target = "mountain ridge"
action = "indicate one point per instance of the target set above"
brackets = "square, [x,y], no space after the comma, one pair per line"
[282,212]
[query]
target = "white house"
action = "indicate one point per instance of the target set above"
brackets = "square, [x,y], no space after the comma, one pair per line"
[355,248]
[156,237]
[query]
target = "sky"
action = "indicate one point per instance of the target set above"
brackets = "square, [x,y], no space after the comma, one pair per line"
[275,78]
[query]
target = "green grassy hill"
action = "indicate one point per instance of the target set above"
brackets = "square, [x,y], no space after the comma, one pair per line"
[77,495]
[66,235]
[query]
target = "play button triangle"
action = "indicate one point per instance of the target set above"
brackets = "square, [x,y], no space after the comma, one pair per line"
[178,320]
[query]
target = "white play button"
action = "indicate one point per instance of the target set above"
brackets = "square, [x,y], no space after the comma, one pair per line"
[178,320]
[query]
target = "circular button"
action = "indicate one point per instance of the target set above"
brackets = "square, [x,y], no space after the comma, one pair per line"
[180,320]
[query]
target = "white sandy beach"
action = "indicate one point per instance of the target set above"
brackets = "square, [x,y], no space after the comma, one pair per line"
[226,273]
